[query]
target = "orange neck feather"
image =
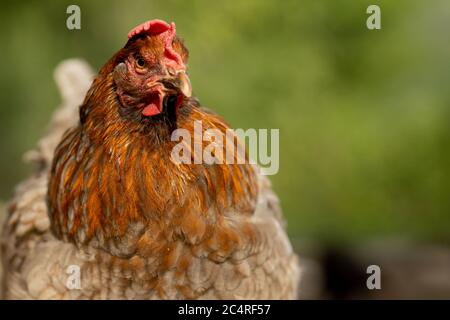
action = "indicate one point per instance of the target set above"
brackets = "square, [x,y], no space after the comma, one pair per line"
[113,185]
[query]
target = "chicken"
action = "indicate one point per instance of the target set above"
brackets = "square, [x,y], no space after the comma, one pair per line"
[114,209]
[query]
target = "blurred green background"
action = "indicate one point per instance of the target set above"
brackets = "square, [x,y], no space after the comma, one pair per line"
[363,115]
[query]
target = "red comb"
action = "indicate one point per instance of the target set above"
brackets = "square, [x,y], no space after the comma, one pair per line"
[167,32]
[153,27]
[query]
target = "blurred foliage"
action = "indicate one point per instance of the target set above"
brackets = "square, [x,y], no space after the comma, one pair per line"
[363,115]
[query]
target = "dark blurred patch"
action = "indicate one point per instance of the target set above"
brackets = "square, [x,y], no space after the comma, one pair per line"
[343,274]
[408,271]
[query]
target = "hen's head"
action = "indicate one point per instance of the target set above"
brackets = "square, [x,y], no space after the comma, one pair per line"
[149,74]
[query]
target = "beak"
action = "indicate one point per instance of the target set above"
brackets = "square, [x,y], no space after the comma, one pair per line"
[180,83]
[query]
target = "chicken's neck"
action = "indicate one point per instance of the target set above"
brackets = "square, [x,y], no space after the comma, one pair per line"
[115,187]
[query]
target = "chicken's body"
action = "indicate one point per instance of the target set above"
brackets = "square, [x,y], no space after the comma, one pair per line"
[135,224]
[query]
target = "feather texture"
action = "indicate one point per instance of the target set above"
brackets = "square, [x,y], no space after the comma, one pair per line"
[109,200]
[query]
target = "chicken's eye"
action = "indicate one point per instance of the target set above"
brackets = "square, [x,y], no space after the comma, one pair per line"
[140,62]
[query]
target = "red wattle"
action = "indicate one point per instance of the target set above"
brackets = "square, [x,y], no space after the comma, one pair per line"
[155,103]
[151,110]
